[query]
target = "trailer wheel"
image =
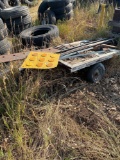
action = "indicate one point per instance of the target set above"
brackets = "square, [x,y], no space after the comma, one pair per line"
[96,72]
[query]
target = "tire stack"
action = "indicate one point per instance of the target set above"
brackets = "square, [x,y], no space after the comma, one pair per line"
[58,10]
[8,3]
[63,9]
[115,23]
[5,46]
[16,18]
[30,3]
[13,2]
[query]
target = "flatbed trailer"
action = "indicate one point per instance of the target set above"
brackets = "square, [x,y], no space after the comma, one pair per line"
[78,55]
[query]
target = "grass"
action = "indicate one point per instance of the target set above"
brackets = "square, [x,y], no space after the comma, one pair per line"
[37,124]
[35,129]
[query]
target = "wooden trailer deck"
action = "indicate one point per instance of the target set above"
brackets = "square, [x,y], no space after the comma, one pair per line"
[79,55]
[76,64]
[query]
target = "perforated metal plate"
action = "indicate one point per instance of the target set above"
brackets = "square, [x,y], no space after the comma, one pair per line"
[41,60]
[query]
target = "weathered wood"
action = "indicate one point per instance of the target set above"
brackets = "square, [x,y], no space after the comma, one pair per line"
[87,63]
[109,46]
[74,54]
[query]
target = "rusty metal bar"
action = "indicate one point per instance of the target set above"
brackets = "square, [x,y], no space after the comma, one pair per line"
[23,55]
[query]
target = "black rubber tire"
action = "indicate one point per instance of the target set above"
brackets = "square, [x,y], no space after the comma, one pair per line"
[74,2]
[18,29]
[1,24]
[14,12]
[117,11]
[63,10]
[3,33]
[14,3]
[96,73]
[29,3]
[17,3]
[58,3]
[2,6]
[115,26]
[3,42]
[6,3]
[5,46]
[48,18]
[42,8]
[4,50]
[18,21]
[116,17]
[39,35]
[116,30]
[65,16]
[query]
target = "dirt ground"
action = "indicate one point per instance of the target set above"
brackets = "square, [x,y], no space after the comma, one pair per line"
[105,95]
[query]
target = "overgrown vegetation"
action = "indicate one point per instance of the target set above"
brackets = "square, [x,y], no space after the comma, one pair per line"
[40,117]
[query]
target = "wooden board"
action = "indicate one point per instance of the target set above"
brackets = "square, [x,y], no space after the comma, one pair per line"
[89,62]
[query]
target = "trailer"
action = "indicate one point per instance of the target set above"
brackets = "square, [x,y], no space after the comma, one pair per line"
[88,54]
[78,55]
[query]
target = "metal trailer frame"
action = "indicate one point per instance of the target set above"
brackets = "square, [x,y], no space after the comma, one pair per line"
[86,54]
[92,61]
[84,51]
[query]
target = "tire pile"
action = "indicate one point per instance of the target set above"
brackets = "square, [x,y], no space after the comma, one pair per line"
[5,46]
[9,3]
[30,3]
[115,23]
[50,11]
[16,18]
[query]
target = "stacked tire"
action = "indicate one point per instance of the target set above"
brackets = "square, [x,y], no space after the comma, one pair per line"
[115,23]
[63,9]
[58,10]
[5,46]
[16,18]
[2,5]
[8,3]
[30,3]
[13,3]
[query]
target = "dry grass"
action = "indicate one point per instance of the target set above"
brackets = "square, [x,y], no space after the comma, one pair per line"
[33,127]
[37,124]
[85,25]
[33,11]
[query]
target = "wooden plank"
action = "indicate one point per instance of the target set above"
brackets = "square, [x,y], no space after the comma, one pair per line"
[68,44]
[92,61]
[109,46]
[65,63]
[89,62]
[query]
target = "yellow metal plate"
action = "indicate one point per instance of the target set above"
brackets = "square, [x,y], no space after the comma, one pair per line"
[41,60]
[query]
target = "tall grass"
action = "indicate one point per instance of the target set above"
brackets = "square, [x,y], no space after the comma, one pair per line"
[33,127]
[85,24]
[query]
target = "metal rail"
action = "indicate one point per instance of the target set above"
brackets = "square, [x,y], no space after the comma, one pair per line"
[82,48]
[66,50]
